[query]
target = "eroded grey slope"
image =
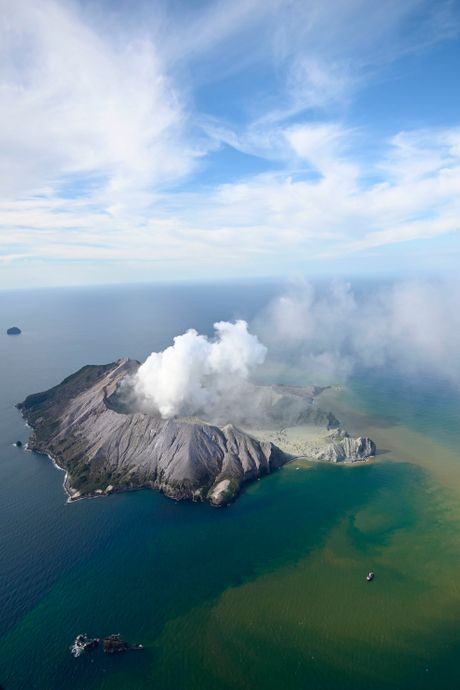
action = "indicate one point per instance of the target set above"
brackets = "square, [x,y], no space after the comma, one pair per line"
[100,447]
[103,447]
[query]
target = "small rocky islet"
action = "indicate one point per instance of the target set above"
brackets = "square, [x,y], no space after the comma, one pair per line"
[14,330]
[112,644]
[105,448]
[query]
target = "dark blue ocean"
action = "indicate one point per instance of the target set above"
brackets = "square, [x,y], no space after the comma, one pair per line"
[267,593]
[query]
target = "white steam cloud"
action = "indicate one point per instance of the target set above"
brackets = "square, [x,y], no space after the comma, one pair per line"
[317,334]
[331,330]
[198,375]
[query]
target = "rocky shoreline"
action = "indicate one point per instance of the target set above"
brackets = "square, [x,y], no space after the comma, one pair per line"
[103,449]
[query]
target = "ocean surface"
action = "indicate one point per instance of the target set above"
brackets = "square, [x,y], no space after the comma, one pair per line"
[267,593]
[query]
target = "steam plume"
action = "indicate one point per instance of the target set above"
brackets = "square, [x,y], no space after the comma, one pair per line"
[315,334]
[197,375]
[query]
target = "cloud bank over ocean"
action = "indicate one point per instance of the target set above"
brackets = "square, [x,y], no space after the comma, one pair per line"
[334,329]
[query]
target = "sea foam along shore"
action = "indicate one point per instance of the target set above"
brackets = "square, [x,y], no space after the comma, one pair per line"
[65,483]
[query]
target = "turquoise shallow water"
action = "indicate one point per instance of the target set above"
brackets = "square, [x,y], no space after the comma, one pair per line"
[267,593]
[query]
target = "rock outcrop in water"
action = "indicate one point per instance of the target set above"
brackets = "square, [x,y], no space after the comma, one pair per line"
[104,447]
[14,330]
[342,448]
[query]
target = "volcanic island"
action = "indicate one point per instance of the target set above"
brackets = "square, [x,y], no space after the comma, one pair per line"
[85,426]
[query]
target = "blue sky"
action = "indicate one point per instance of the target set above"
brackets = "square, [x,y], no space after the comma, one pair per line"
[200,140]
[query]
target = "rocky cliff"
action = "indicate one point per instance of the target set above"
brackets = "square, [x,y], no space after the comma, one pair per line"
[341,448]
[104,447]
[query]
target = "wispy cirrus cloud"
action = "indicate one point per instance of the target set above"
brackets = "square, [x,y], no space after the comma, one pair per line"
[327,208]
[104,125]
[78,102]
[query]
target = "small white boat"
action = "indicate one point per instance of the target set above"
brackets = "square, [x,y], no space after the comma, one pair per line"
[370,576]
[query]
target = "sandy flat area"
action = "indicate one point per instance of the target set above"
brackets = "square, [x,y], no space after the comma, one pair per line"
[299,440]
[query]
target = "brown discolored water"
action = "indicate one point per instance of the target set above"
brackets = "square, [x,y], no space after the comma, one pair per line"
[267,593]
